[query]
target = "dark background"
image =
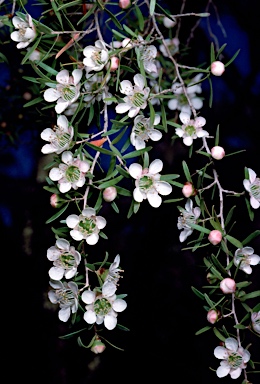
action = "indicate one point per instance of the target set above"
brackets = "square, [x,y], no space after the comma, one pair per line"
[163,314]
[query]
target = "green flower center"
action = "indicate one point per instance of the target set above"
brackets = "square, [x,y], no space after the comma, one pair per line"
[65,296]
[68,92]
[190,130]
[96,57]
[137,99]
[145,183]
[235,360]
[67,260]
[87,225]
[255,189]
[185,219]
[102,307]
[72,174]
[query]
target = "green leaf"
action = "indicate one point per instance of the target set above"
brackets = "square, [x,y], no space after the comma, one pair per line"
[128,30]
[233,58]
[202,330]
[234,241]
[100,149]
[211,92]
[218,334]
[212,53]
[208,300]
[186,171]
[139,17]
[240,326]
[229,215]
[137,153]
[199,228]
[251,237]
[250,295]
[198,293]
[57,214]
[33,102]
[111,182]
[152,7]
[218,265]
[47,68]
[114,19]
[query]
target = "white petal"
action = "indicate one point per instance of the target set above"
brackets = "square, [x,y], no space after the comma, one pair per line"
[61,106]
[48,148]
[163,187]
[188,141]
[154,199]
[90,317]
[55,174]
[92,239]
[126,87]
[234,374]
[138,196]
[108,289]
[197,103]
[155,135]
[63,77]
[101,222]
[88,212]
[202,133]
[62,121]
[64,187]
[76,235]
[246,184]
[88,297]
[254,203]
[199,121]
[179,132]
[222,371]
[77,75]
[156,166]
[173,104]
[184,117]
[67,157]
[56,273]
[51,94]
[63,244]
[231,344]
[122,107]
[254,259]
[252,175]
[220,353]
[133,111]
[139,80]
[157,119]
[135,170]
[72,221]
[64,314]
[110,322]
[119,305]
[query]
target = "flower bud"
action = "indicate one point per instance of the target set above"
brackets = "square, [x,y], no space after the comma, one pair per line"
[55,201]
[109,194]
[114,63]
[255,318]
[228,285]
[217,152]
[215,237]
[217,68]
[126,43]
[98,346]
[211,278]
[124,4]
[213,316]
[168,23]
[188,189]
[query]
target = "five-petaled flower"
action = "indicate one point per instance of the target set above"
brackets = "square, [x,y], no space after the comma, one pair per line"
[111,278]
[191,129]
[86,226]
[66,91]
[188,216]
[244,257]
[252,185]
[96,57]
[144,130]
[71,173]
[102,308]
[60,137]
[66,295]
[136,96]
[255,319]
[148,184]
[172,45]
[65,260]
[25,33]
[234,358]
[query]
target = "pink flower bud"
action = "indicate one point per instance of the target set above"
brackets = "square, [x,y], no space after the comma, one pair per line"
[217,152]
[213,316]
[217,68]
[55,201]
[188,189]
[215,237]
[124,4]
[109,194]
[98,346]
[228,285]
[114,63]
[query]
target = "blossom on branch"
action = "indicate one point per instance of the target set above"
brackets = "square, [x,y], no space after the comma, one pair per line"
[136,96]
[60,137]
[252,185]
[66,91]
[25,33]
[255,319]
[96,57]
[143,130]
[191,129]
[234,358]
[188,216]
[86,226]
[66,295]
[244,257]
[148,184]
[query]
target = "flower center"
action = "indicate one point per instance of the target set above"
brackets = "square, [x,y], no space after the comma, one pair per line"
[62,139]
[190,130]
[185,219]
[68,92]
[145,183]
[255,189]
[102,307]
[140,129]
[235,360]
[137,99]
[96,57]
[67,260]
[65,297]
[87,225]
[72,174]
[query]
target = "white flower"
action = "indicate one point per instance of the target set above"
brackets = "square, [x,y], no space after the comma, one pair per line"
[143,130]
[188,216]
[96,56]
[86,226]
[26,31]
[191,129]
[96,89]
[179,100]
[66,295]
[244,257]
[255,318]
[71,174]
[101,308]
[135,98]
[65,260]
[172,45]
[66,91]
[113,275]
[252,185]
[60,136]
[148,54]
[234,358]
[169,23]
[148,184]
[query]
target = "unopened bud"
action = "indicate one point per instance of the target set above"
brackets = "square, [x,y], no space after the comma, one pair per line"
[35,55]
[55,201]
[124,4]
[217,68]
[217,152]
[213,316]
[98,346]
[188,189]
[228,285]
[109,194]
[114,63]
[126,43]
[168,23]
[215,237]
[211,278]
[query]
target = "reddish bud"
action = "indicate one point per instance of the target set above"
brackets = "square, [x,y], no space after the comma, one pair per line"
[217,68]
[215,237]
[124,4]
[217,152]
[114,63]
[188,189]
[109,194]
[213,316]
[98,346]
[55,201]
[228,285]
